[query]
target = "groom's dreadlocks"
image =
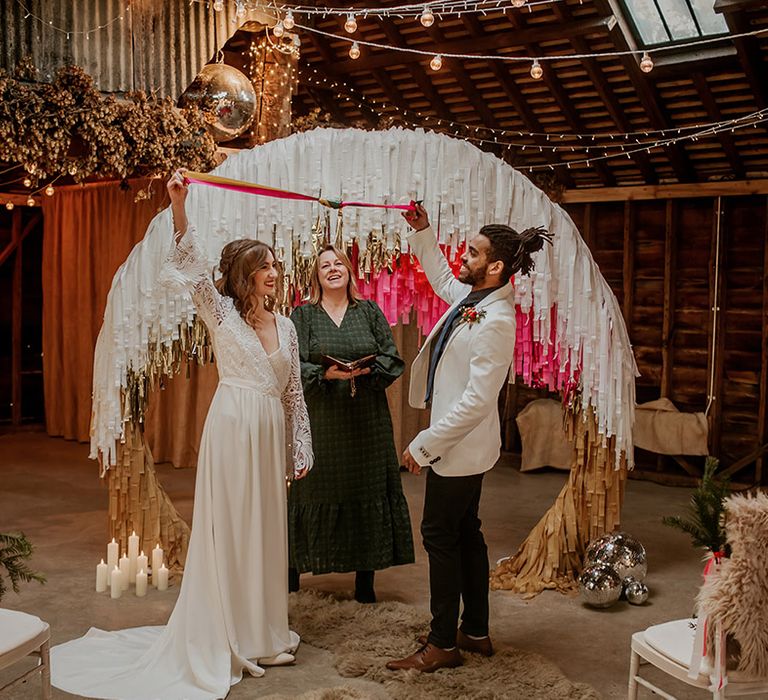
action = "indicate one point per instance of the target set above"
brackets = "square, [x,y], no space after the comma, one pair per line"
[515,249]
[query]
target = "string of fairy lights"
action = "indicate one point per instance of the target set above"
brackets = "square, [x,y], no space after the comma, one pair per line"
[607,143]
[290,18]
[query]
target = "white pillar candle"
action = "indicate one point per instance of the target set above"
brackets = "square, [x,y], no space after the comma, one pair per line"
[157,561]
[162,578]
[133,554]
[141,583]
[113,552]
[124,568]
[102,574]
[142,563]
[116,583]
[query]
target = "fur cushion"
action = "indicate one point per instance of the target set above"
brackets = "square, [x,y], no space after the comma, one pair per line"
[736,595]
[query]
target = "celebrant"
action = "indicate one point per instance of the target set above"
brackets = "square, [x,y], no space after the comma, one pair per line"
[231,615]
[350,513]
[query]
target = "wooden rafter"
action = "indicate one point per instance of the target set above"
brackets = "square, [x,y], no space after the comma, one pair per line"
[603,88]
[516,97]
[725,138]
[489,44]
[562,100]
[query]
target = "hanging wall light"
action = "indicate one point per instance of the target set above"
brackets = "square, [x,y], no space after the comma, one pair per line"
[351,24]
[354,50]
[436,63]
[536,70]
[646,63]
[427,18]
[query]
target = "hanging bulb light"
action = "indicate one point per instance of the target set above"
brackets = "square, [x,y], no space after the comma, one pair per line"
[518,3]
[436,63]
[646,63]
[241,11]
[72,169]
[218,5]
[9,206]
[279,29]
[536,70]
[289,22]
[354,50]
[27,182]
[296,41]
[49,190]
[427,18]
[31,202]
[351,24]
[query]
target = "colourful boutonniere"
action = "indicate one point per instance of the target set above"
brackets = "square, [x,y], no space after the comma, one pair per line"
[472,315]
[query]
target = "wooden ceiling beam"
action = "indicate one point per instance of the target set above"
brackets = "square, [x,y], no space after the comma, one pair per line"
[562,99]
[417,71]
[725,138]
[726,188]
[488,44]
[747,49]
[563,13]
[649,97]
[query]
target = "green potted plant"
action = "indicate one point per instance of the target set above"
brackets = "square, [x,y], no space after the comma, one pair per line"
[15,549]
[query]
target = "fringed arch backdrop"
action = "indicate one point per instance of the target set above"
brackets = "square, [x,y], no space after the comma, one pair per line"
[570,333]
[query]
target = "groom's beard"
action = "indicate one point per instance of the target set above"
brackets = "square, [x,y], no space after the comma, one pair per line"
[473,277]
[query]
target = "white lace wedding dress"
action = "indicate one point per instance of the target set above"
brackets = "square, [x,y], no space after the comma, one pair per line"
[232,609]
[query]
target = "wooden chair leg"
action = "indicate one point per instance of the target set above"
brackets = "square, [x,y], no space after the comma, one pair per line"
[45,670]
[634,669]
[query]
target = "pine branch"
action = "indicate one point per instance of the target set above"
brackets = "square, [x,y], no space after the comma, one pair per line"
[15,548]
[704,518]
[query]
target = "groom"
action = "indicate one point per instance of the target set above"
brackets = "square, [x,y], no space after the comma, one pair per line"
[459,372]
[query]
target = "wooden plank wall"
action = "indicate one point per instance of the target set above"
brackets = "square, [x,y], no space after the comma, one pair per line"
[697,314]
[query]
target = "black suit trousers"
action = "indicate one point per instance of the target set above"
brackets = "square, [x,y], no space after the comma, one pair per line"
[458,557]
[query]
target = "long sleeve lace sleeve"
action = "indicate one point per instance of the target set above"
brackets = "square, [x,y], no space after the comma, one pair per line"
[300,456]
[188,268]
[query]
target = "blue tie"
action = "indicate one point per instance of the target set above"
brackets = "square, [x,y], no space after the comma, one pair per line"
[442,341]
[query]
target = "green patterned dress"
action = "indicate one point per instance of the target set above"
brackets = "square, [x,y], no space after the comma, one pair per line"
[349,513]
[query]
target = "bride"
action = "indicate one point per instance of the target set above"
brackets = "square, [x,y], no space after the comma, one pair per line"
[232,611]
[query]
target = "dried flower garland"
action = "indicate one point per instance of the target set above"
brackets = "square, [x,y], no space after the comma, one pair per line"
[68,128]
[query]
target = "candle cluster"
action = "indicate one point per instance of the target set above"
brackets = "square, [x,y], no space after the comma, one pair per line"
[130,569]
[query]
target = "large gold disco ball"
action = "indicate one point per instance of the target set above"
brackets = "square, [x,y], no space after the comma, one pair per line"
[227,94]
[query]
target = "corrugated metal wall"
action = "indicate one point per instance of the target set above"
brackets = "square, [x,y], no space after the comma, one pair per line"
[159,45]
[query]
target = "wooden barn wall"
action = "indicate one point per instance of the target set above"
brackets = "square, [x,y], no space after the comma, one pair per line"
[158,45]
[660,257]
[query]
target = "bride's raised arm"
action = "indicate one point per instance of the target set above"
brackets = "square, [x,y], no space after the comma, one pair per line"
[187,266]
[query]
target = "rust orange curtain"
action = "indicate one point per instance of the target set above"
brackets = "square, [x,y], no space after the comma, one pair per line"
[88,233]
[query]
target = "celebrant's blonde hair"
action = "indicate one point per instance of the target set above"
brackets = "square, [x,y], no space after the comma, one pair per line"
[240,261]
[315,288]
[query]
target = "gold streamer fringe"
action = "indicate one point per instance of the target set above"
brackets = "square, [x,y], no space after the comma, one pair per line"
[138,502]
[588,506]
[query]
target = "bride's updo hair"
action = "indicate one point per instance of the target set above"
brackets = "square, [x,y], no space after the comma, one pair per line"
[240,260]
[515,249]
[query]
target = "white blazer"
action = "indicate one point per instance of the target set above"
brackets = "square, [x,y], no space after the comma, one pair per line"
[464,435]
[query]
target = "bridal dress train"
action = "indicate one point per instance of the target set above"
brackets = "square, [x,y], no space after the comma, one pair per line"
[232,608]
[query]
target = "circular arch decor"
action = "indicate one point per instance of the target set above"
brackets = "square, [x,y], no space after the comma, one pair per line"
[570,335]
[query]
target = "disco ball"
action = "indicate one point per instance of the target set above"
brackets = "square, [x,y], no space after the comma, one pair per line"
[621,551]
[599,585]
[636,592]
[229,93]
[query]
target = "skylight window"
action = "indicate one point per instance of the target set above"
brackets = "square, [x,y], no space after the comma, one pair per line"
[660,22]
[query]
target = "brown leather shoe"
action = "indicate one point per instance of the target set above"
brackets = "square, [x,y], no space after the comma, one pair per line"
[473,646]
[427,659]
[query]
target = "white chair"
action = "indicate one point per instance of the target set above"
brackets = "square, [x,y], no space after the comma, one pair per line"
[669,647]
[24,635]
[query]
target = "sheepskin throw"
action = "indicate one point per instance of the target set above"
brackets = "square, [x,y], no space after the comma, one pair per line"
[736,596]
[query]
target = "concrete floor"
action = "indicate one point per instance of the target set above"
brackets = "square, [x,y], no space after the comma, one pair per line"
[51,491]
